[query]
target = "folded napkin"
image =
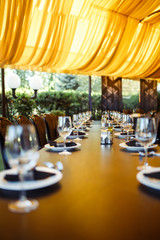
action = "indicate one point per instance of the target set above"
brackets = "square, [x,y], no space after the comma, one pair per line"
[130,133]
[152,175]
[37,175]
[61,144]
[133,143]
[74,133]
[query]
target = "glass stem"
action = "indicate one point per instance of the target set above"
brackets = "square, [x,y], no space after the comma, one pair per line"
[65,144]
[22,192]
[146,159]
[77,132]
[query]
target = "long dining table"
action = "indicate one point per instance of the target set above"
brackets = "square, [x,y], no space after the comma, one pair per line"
[98,197]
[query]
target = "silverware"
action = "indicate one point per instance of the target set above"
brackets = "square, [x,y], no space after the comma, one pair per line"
[58,165]
[142,154]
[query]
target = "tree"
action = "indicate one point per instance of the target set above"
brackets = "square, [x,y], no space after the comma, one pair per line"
[66,82]
[24,75]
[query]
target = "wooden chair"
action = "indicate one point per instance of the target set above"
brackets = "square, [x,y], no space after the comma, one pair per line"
[4,122]
[22,120]
[55,120]
[139,110]
[51,126]
[39,124]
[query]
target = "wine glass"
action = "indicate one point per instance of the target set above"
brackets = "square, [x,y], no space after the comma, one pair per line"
[64,129]
[127,124]
[77,124]
[21,151]
[146,134]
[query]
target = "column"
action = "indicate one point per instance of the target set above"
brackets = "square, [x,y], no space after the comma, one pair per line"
[112,93]
[148,95]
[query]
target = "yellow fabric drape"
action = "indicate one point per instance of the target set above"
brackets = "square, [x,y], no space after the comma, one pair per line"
[95,37]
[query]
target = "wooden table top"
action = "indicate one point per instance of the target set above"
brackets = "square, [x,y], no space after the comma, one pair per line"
[97,198]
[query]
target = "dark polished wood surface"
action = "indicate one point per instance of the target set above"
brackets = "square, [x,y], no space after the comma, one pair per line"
[97,198]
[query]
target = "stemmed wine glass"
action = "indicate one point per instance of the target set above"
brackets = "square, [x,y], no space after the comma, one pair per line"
[127,124]
[77,124]
[21,151]
[146,134]
[82,118]
[64,129]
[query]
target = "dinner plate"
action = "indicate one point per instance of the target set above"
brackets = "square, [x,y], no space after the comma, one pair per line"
[147,181]
[32,184]
[117,129]
[80,136]
[135,148]
[118,134]
[82,129]
[59,149]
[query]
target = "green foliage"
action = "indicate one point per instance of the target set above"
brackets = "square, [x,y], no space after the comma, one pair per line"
[58,102]
[132,102]
[58,113]
[68,101]
[66,82]
[24,105]
[24,77]
[10,111]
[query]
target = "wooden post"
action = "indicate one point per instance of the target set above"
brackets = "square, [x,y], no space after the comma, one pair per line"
[111,93]
[148,95]
[90,96]
[3,93]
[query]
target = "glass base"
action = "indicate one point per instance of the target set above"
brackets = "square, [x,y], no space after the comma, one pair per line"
[77,139]
[65,153]
[24,206]
[143,167]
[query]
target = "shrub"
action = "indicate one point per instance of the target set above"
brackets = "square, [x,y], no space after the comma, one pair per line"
[23,105]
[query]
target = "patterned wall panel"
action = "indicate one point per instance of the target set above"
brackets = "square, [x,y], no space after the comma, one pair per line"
[148,95]
[111,93]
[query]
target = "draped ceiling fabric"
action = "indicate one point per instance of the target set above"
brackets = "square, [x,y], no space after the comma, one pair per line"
[94,37]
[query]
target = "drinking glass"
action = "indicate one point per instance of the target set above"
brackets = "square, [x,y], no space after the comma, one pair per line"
[64,129]
[77,124]
[146,134]
[21,151]
[127,124]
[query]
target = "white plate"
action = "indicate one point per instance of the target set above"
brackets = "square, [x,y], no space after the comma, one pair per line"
[80,136]
[30,185]
[118,134]
[117,129]
[147,181]
[134,148]
[59,149]
[83,129]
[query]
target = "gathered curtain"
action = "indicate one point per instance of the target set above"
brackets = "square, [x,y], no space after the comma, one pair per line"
[93,37]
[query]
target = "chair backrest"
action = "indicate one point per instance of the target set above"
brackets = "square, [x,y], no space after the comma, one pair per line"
[4,122]
[55,120]
[40,129]
[22,120]
[157,119]
[50,127]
